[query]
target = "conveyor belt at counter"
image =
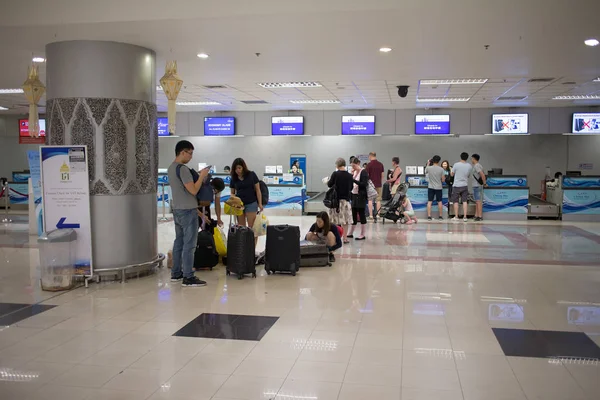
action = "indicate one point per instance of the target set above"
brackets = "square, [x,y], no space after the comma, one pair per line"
[539,208]
[315,205]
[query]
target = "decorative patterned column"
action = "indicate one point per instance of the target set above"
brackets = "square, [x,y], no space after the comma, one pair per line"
[103,94]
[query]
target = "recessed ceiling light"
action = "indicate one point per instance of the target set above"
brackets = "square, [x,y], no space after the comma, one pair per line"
[577,97]
[203,56]
[315,101]
[452,81]
[3,108]
[441,99]
[385,49]
[281,85]
[592,42]
[11,91]
[38,59]
[198,103]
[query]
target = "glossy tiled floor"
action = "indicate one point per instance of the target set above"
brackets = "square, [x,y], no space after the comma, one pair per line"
[431,311]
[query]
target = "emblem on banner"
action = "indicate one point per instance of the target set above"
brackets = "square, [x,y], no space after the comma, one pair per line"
[64,172]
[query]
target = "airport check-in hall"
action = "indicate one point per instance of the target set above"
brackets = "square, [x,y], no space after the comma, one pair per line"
[278,200]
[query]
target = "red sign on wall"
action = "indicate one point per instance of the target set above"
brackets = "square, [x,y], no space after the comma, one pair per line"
[24,137]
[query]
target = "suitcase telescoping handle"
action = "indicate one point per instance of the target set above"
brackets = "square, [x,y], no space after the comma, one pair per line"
[281,228]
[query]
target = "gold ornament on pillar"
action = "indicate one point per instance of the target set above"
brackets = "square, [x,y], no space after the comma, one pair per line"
[34,90]
[171,84]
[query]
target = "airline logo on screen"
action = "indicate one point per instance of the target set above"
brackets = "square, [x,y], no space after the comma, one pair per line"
[287,125]
[358,125]
[65,172]
[163,126]
[586,123]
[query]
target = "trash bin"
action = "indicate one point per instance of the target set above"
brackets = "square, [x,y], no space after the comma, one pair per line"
[57,259]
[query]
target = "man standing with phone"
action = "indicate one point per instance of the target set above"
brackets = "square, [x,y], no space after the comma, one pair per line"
[184,187]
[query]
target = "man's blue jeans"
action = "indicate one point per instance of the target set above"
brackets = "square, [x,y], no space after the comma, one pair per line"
[186,238]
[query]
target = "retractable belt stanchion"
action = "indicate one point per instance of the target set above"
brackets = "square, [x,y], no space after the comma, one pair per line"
[5,190]
[163,218]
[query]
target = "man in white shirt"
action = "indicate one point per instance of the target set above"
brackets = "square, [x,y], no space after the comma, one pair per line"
[461,172]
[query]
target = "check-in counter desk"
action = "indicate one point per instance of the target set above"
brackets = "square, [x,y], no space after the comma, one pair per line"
[581,198]
[287,193]
[417,193]
[506,198]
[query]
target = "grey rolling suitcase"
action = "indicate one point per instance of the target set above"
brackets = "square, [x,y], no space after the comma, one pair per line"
[314,255]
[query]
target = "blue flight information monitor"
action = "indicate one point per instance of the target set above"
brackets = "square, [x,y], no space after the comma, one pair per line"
[282,126]
[163,126]
[358,125]
[432,124]
[219,126]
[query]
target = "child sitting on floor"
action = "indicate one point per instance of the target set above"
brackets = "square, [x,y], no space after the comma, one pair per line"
[323,231]
[408,214]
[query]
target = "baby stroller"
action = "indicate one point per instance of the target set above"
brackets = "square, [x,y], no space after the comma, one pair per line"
[392,210]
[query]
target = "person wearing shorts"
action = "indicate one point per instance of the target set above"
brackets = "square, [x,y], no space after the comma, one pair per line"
[376,172]
[461,171]
[479,181]
[435,179]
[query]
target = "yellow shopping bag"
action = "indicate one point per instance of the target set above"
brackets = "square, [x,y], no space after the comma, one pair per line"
[220,241]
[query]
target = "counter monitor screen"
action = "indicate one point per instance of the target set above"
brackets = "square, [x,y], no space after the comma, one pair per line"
[586,123]
[24,127]
[163,126]
[282,126]
[358,125]
[510,124]
[219,126]
[432,124]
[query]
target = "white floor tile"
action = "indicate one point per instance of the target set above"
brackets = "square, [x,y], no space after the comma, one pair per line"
[189,382]
[304,389]
[352,391]
[249,388]
[391,357]
[373,374]
[429,378]
[318,371]
[91,376]
[430,394]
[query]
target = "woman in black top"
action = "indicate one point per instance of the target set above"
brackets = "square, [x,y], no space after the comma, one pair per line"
[449,179]
[359,199]
[245,185]
[342,181]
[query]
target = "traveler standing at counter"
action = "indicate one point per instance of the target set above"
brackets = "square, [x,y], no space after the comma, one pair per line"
[185,214]
[342,181]
[449,180]
[245,185]
[376,171]
[478,182]
[360,177]
[435,179]
[394,181]
[461,172]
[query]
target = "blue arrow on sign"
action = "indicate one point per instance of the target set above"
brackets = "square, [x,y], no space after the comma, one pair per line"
[61,224]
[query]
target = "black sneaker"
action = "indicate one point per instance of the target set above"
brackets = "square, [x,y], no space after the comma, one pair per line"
[429,219]
[477,219]
[193,281]
[440,218]
[331,258]
[177,278]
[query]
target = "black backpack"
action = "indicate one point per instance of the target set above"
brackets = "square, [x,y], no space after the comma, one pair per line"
[206,255]
[264,191]
[331,200]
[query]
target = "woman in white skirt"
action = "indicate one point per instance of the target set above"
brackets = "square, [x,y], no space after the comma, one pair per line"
[342,180]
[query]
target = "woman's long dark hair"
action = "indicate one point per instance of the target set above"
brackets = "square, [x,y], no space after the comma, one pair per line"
[326,224]
[242,163]
[447,163]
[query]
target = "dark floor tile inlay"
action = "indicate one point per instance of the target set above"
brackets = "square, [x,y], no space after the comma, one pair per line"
[544,344]
[228,326]
[11,313]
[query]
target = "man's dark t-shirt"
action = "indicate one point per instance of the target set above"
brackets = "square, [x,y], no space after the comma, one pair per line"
[375,169]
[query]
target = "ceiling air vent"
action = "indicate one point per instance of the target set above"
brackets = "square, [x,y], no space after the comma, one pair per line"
[511,98]
[253,102]
[540,80]
[215,87]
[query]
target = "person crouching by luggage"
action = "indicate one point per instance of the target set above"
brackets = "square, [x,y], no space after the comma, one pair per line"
[217,186]
[360,178]
[246,186]
[324,231]
[184,203]
[408,213]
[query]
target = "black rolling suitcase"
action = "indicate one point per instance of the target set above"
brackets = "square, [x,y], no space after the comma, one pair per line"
[314,255]
[240,251]
[205,256]
[283,249]
[386,192]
